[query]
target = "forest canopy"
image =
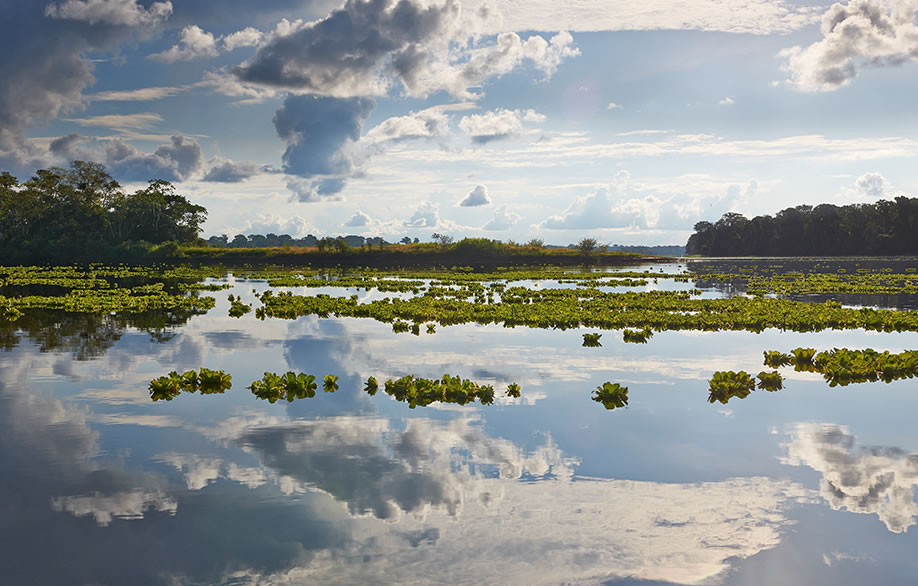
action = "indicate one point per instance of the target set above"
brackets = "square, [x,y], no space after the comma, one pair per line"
[82,212]
[881,228]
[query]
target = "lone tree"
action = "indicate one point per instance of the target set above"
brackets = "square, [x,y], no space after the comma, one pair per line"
[442,239]
[588,247]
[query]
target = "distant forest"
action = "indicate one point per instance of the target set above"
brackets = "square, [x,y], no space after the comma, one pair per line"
[881,228]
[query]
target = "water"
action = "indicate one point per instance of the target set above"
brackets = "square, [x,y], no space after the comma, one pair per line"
[808,485]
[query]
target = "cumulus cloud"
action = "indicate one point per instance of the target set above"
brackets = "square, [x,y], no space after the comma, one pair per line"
[321,136]
[365,48]
[503,219]
[296,226]
[358,220]
[868,480]
[477,197]
[428,123]
[872,185]
[247,37]
[44,70]
[225,171]
[176,161]
[497,124]
[726,101]
[625,205]
[111,12]
[194,42]
[860,33]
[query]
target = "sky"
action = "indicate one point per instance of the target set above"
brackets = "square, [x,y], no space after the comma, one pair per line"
[626,121]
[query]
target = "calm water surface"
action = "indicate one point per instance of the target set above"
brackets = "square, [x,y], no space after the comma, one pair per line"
[99,485]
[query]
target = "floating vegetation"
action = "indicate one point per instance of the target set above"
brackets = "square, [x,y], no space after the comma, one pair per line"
[725,385]
[770,381]
[330,383]
[637,336]
[237,307]
[776,359]
[611,395]
[372,386]
[290,386]
[448,389]
[513,390]
[842,367]
[208,382]
[591,340]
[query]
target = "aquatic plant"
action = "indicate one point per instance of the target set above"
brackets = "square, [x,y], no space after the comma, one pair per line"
[237,307]
[637,336]
[725,385]
[448,389]
[330,383]
[591,340]
[611,395]
[770,381]
[776,359]
[372,386]
[207,381]
[513,390]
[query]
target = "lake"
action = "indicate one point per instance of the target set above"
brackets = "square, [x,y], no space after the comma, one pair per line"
[100,485]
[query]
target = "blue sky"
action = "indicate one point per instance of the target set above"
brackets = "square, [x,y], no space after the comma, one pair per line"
[627,121]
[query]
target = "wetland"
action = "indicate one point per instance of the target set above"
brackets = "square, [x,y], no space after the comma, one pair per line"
[696,421]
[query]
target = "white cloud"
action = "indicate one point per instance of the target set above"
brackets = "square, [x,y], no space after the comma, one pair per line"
[247,37]
[428,123]
[624,205]
[503,219]
[497,124]
[269,223]
[860,33]
[726,101]
[138,121]
[194,42]
[868,480]
[476,197]
[613,106]
[872,185]
[111,12]
[358,220]
[736,16]
[137,95]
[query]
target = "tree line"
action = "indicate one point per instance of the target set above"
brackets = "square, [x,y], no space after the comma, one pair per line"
[881,228]
[81,212]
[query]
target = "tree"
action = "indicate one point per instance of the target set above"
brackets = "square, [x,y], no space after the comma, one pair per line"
[441,239]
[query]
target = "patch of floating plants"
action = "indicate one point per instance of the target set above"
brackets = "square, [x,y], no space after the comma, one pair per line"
[207,381]
[572,308]
[611,395]
[725,385]
[842,367]
[591,340]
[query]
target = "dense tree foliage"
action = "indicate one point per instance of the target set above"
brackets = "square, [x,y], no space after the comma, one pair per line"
[82,213]
[885,227]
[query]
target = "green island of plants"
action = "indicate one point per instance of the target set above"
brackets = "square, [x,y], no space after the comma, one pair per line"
[208,382]
[611,395]
[842,367]
[591,340]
